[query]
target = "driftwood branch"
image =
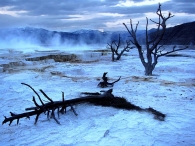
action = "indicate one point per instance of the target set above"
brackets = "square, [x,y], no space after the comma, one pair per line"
[106,99]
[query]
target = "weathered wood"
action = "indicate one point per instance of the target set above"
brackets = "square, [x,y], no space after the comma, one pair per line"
[106,99]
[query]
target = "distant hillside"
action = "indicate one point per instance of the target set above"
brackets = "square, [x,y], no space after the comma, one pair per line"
[183,34]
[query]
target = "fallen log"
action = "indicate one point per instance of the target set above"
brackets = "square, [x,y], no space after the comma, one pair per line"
[106,99]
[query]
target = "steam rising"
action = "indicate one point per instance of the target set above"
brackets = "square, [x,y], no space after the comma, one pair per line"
[31,39]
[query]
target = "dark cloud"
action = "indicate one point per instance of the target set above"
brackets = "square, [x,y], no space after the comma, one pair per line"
[71,15]
[180,6]
[183,1]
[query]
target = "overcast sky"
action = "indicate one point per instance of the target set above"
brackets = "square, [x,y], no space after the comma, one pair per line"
[72,15]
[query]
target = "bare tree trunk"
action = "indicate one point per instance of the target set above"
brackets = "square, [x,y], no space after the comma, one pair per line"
[112,50]
[149,69]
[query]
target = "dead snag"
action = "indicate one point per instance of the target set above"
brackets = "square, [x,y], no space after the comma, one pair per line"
[115,46]
[155,45]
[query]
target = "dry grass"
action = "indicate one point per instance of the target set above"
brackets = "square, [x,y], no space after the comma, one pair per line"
[189,83]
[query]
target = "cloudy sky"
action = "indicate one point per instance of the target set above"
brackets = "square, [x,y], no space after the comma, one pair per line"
[71,15]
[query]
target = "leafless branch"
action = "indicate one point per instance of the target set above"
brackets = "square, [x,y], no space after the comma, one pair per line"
[173,50]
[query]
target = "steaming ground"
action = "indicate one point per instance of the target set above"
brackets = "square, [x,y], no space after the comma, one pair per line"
[170,90]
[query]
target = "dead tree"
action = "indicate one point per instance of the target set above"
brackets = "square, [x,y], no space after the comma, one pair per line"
[105,82]
[114,47]
[106,99]
[154,47]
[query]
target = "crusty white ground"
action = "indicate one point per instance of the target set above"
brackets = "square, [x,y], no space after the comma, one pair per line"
[171,90]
